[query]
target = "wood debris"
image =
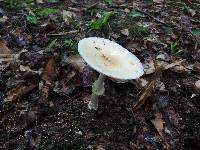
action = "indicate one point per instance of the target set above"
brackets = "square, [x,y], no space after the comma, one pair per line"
[19,91]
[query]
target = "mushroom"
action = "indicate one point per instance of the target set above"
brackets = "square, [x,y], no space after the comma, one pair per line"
[109,59]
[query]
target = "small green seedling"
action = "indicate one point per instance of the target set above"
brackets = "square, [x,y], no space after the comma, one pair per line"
[136,14]
[173,47]
[52,44]
[15,4]
[70,44]
[44,12]
[109,1]
[32,19]
[101,23]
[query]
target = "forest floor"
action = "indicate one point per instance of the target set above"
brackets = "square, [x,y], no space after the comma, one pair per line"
[45,86]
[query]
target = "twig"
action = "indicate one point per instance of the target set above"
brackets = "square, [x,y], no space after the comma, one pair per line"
[157,20]
[63,33]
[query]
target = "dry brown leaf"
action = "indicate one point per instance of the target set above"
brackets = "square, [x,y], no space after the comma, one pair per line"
[77,62]
[149,66]
[134,46]
[5,52]
[158,123]
[19,91]
[177,63]
[48,76]
[49,72]
[149,90]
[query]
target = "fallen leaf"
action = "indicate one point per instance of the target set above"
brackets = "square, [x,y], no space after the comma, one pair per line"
[149,67]
[197,85]
[134,46]
[63,87]
[158,123]
[192,12]
[49,72]
[149,90]
[125,32]
[27,69]
[177,63]
[4,50]
[67,15]
[48,76]
[19,91]
[76,61]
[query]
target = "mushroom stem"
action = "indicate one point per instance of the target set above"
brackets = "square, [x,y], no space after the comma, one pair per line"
[97,90]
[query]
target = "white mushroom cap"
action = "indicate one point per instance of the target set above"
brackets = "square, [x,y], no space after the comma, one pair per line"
[110,58]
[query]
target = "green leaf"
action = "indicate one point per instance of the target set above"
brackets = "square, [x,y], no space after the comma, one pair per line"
[109,1]
[69,43]
[52,1]
[52,43]
[44,12]
[102,22]
[32,19]
[196,32]
[136,14]
[173,47]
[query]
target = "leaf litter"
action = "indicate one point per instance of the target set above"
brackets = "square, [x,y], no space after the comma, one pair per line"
[44,86]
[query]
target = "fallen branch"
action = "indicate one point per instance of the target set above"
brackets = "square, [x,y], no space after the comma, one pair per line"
[149,90]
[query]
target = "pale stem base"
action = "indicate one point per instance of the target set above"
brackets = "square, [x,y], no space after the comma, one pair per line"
[97,90]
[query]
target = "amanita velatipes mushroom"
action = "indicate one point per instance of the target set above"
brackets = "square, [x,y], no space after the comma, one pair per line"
[109,59]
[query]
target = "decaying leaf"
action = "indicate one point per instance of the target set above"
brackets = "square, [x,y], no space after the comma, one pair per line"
[158,123]
[125,32]
[63,87]
[49,72]
[28,69]
[77,62]
[5,52]
[67,15]
[197,85]
[19,91]
[149,90]
[48,76]
[149,67]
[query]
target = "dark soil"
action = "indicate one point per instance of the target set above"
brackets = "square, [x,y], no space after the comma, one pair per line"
[45,106]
